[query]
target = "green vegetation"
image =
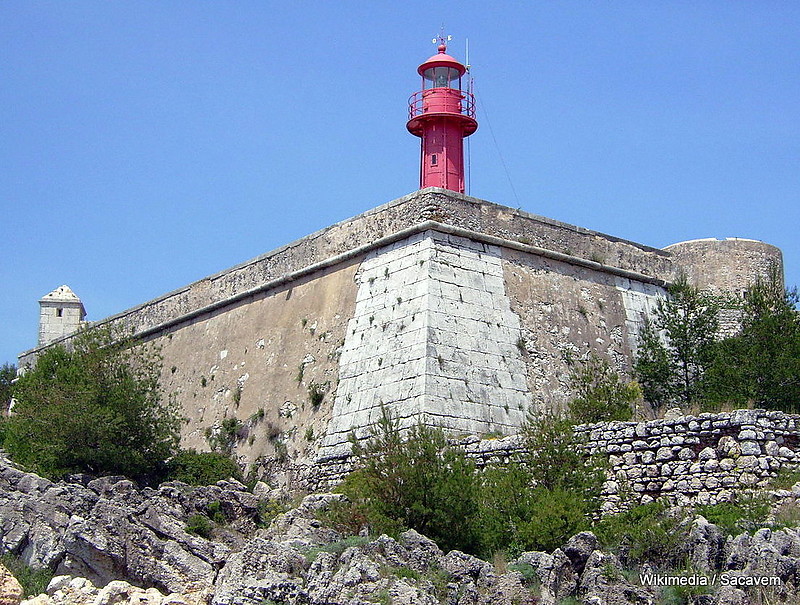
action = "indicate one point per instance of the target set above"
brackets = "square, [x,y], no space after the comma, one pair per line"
[202,468]
[647,533]
[760,366]
[336,548]
[96,408]
[680,362]
[417,482]
[600,393]
[33,581]
[538,503]
[8,372]
[669,369]
[423,482]
[224,438]
[746,514]
[199,525]
[269,509]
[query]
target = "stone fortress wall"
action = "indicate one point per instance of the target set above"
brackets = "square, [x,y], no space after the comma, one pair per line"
[440,306]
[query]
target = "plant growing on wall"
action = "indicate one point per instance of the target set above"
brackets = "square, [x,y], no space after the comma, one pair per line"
[600,392]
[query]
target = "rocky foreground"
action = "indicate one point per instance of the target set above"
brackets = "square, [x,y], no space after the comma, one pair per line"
[109,542]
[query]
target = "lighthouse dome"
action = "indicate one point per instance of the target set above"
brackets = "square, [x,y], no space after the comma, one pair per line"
[442,59]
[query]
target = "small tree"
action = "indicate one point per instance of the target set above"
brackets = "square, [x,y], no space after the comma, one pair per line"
[94,408]
[675,349]
[416,481]
[600,393]
[761,364]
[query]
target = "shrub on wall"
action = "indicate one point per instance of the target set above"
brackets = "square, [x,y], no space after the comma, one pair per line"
[600,392]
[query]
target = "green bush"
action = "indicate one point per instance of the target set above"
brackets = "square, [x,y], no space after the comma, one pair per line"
[202,468]
[539,502]
[556,459]
[646,533]
[8,372]
[215,512]
[33,581]
[746,515]
[418,481]
[676,348]
[760,366]
[269,509]
[557,515]
[200,525]
[95,408]
[223,438]
[600,393]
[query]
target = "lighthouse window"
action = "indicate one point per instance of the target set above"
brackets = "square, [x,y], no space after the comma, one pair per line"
[440,77]
[434,160]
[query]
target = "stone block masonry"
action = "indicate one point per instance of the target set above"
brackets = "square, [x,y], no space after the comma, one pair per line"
[433,338]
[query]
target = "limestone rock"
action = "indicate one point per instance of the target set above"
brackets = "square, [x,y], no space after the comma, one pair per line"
[560,581]
[68,590]
[707,543]
[578,548]
[108,529]
[728,595]
[10,589]
[602,583]
[300,527]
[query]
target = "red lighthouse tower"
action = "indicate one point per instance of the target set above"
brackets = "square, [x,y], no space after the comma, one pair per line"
[442,114]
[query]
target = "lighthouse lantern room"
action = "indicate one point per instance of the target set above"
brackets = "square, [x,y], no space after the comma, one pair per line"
[442,114]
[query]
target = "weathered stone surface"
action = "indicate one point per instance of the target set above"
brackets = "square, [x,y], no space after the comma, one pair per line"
[578,549]
[560,580]
[300,526]
[111,530]
[432,333]
[602,583]
[707,544]
[10,589]
[68,590]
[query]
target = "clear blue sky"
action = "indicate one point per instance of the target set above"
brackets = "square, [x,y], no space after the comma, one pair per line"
[145,145]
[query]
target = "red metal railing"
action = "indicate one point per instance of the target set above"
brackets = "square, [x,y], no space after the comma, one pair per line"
[417,106]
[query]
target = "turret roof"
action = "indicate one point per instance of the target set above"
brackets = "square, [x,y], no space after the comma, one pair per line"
[61,294]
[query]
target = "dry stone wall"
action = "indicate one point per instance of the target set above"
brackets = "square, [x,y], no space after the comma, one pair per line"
[699,459]
[687,460]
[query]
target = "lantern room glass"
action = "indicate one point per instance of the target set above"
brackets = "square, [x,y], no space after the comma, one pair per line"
[440,77]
